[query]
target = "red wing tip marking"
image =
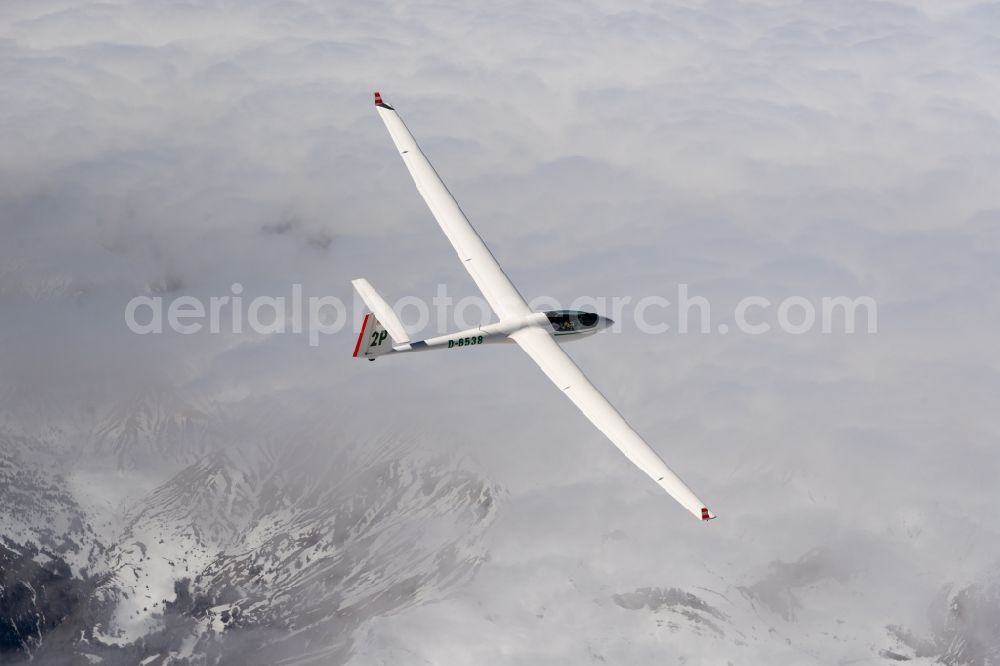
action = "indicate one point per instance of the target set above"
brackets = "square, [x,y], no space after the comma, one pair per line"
[705,515]
[379,102]
[361,334]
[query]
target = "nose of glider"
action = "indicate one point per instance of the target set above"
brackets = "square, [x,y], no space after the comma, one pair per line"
[607,322]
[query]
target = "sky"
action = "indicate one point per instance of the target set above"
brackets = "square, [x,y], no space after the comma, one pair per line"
[771,148]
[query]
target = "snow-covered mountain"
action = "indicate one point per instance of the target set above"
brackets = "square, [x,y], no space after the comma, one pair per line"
[286,546]
[274,549]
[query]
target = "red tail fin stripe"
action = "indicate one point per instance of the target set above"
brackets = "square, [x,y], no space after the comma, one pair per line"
[361,335]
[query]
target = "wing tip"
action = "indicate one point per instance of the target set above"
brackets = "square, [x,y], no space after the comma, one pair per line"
[706,514]
[379,102]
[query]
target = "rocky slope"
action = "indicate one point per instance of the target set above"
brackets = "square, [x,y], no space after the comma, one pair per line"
[272,551]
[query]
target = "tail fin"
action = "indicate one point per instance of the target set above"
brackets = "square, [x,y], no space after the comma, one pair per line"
[379,324]
[372,340]
[382,311]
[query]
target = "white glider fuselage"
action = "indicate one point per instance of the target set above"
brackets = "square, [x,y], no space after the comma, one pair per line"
[565,325]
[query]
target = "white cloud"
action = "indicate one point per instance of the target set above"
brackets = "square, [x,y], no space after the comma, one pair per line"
[776,148]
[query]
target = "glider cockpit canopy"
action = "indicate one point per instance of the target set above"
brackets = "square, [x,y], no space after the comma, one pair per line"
[575,321]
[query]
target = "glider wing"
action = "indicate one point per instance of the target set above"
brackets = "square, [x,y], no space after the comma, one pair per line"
[565,374]
[496,287]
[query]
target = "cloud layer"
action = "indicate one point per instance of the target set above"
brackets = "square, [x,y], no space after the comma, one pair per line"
[771,148]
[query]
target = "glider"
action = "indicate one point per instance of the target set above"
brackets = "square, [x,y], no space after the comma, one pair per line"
[535,332]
